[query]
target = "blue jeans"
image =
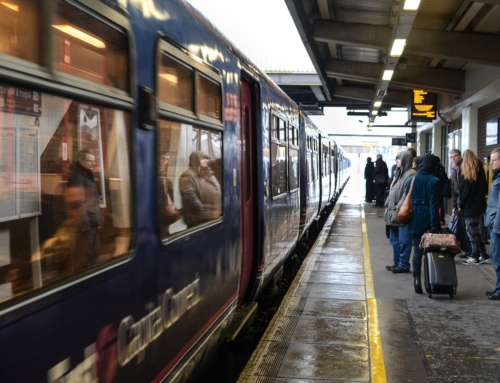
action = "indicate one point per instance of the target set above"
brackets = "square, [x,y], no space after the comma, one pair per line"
[495,255]
[400,239]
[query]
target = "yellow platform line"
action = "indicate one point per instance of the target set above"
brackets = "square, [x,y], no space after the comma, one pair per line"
[376,354]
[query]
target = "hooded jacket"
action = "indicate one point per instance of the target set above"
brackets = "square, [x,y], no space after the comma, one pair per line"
[200,192]
[395,199]
[425,197]
[82,177]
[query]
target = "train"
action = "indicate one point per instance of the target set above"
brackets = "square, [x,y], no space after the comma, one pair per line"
[207,176]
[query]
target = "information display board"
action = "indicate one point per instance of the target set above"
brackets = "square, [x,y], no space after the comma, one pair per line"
[399,141]
[423,105]
[411,137]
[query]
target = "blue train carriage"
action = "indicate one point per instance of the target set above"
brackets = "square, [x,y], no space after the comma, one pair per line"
[137,91]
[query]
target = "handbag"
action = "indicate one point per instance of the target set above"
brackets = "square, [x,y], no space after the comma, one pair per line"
[440,242]
[405,211]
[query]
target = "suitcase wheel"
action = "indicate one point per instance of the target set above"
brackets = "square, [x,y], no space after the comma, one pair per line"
[451,295]
[429,295]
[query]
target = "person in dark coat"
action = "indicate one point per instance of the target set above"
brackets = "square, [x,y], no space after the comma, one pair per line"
[369,169]
[425,200]
[83,177]
[200,191]
[381,176]
[472,205]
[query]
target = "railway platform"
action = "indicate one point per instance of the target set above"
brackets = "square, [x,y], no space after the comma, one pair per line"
[346,318]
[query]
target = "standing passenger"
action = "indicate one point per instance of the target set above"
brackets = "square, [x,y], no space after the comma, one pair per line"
[399,234]
[83,177]
[472,204]
[380,175]
[200,191]
[492,222]
[425,198]
[369,169]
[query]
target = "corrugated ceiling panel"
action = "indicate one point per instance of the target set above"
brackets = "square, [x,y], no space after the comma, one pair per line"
[360,54]
[363,11]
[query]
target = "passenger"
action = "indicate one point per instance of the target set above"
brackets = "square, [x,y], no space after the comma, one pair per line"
[492,222]
[381,176]
[66,252]
[369,170]
[170,214]
[83,177]
[399,234]
[425,204]
[200,191]
[472,205]
[456,172]
[445,187]
[414,164]
[412,151]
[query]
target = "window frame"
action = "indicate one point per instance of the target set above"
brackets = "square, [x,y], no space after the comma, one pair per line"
[43,78]
[177,53]
[175,114]
[275,115]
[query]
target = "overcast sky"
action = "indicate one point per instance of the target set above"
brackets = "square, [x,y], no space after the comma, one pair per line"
[266,33]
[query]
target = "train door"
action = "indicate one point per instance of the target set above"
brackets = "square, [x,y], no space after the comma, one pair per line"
[247,185]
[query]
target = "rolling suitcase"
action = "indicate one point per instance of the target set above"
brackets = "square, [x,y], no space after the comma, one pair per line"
[440,273]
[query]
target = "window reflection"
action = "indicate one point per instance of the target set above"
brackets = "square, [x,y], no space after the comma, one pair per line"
[193,176]
[64,190]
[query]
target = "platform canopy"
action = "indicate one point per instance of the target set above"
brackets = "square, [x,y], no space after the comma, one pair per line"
[370,54]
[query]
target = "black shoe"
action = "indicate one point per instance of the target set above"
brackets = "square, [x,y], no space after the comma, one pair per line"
[418,285]
[488,293]
[398,270]
[495,296]
[390,267]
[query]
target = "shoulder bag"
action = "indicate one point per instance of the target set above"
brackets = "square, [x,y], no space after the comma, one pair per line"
[405,212]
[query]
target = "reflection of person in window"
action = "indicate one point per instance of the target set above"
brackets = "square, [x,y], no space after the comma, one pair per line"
[200,191]
[170,214]
[66,252]
[91,222]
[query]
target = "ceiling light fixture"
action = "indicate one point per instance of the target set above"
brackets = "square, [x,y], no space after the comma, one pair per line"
[374,112]
[72,31]
[376,104]
[398,46]
[387,75]
[411,5]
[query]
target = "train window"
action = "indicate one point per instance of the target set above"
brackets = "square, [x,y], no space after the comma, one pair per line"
[188,86]
[20,29]
[209,98]
[176,83]
[189,187]
[88,48]
[275,123]
[293,168]
[279,156]
[65,188]
[278,164]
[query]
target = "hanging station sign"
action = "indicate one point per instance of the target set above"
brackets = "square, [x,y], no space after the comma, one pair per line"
[423,105]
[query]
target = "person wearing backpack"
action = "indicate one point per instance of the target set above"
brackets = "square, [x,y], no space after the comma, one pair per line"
[445,186]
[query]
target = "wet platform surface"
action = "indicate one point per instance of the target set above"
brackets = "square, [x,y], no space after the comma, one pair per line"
[347,319]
